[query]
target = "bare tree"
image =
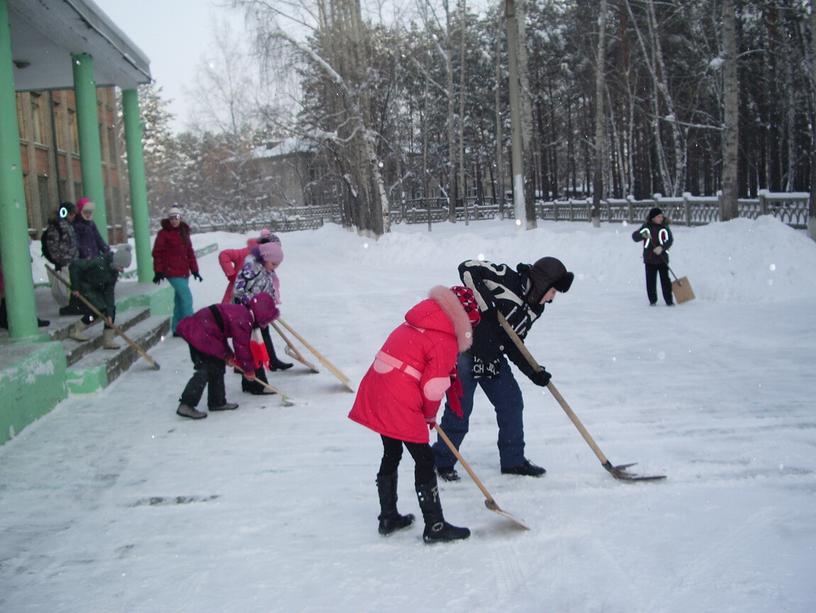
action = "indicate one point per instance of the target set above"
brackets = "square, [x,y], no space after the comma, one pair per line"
[598,158]
[812,207]
[331,39]
[730,190]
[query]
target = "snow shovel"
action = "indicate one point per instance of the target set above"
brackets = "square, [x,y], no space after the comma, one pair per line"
[489,502]
[293,351]
[681,288]
[619,472]
[108,321]
[322,359]
[285,400]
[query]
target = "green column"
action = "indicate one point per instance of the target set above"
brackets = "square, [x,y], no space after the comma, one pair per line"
[90,151]
[19,290]
[138,186]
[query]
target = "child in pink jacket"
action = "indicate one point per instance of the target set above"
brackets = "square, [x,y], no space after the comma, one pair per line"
[399,397]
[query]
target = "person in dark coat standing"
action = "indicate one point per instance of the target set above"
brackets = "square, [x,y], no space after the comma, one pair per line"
[520,296]
[93,274]
[399,397]
[174,260]
[657,239]
[207,332]
[89,241]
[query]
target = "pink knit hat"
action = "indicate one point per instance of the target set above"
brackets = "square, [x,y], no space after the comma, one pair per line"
[83,203]
[271,252]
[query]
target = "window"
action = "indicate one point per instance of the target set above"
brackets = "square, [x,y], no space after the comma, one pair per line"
[20,122]
[78,193]
[38,123]
[59,125]
[112,145]
[73,134]
[45,200]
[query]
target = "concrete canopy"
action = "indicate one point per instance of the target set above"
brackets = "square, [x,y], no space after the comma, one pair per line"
[44,34]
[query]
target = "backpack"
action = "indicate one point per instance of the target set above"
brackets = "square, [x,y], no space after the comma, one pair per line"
[44,243]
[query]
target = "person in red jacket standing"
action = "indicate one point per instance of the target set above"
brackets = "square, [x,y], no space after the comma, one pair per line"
[174,260]
[399,397]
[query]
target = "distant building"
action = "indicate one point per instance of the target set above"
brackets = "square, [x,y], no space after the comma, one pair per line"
[49,149]
[291,172]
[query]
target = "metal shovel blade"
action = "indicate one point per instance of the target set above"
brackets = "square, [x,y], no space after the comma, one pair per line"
[620,472]
[491,504]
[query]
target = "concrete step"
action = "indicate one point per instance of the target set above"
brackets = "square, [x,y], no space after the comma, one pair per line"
[75,350]
[100,367]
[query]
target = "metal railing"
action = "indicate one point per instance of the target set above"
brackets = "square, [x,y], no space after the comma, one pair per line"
[789,207]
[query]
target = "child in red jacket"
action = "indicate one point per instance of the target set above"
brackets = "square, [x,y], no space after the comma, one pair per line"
[400,395]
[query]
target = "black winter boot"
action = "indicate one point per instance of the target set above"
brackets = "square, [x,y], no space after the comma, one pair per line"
[274,362]
[437,530]
[390,519]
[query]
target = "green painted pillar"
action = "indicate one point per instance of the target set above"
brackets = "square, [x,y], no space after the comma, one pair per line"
[90,150]
[138,185]
[19,287]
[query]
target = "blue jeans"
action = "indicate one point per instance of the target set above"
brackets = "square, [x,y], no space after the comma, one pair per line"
[182,301]
[504,394]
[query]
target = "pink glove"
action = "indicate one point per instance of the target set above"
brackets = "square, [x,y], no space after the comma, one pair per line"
[431,421]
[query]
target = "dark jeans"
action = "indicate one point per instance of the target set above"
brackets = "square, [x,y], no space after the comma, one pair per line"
[504,394]
[421,452]
[651,283]
[209,373]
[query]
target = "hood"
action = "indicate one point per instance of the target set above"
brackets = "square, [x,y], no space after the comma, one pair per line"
[263,309]
[443,312]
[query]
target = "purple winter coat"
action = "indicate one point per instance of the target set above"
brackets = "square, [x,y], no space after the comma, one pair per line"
[88,240]
[202,331]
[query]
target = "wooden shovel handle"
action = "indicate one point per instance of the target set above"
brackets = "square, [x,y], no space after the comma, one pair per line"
[488,498]
[556,394]
[108,321]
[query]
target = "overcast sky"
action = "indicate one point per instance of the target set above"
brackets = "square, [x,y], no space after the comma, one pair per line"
[175,35]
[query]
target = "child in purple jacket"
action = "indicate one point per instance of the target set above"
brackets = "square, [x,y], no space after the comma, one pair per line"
[207,332]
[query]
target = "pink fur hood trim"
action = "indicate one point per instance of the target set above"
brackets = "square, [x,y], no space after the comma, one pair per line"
[451,306]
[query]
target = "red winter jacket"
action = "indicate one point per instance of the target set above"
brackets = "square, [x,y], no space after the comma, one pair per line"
[411,373]
[173,254]
[231,261]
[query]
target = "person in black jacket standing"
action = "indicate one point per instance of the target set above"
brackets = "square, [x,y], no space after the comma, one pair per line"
[657,238]
[520,296]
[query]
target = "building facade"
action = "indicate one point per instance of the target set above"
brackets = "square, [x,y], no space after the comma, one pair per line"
[51,161]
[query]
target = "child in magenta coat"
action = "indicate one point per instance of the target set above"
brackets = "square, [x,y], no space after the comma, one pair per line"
[207,332]
[399,397]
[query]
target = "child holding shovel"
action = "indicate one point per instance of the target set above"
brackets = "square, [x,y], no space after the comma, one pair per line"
[657,239]
[399,397]
[207,332]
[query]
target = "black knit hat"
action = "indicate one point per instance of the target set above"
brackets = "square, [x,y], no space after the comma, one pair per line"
[653,212]
[65,209]
[546,273]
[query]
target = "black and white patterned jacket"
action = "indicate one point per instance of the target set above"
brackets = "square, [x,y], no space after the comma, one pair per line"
[499,288]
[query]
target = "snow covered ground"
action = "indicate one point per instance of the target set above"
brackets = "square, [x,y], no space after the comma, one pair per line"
[113,503]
